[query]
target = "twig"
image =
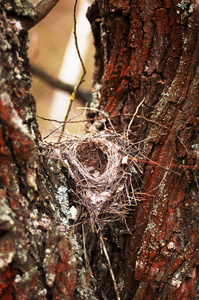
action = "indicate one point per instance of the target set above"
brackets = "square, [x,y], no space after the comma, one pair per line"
[59,126]
[52,132]
[72,97]
[84,244]
[82,94]
[132,119]
[101,118]
[101,112]
[110,268]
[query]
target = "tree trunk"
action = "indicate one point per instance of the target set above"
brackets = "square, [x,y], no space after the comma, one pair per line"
[150,53]
[147,73]
[37,253]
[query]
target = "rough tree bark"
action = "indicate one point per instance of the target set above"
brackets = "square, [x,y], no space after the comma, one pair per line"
[146,52]
[38,258]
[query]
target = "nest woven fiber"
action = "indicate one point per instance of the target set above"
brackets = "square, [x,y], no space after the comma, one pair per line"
[103,171]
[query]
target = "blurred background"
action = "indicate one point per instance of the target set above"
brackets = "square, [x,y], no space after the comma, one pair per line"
[52,48]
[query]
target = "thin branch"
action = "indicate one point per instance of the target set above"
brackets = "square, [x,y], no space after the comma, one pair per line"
[110,268]
[102,112]
[59,126]
[136,111]
[44,7]
[73,95]
[84,244]
[53,131]
[61,122]
[102,118]
[83,94]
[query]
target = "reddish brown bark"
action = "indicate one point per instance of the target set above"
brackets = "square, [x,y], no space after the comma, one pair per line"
[151,52]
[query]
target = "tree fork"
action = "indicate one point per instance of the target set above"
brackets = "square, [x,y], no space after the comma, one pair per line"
[144,50]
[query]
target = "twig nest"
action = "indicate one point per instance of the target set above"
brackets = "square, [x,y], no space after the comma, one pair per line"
[102,172]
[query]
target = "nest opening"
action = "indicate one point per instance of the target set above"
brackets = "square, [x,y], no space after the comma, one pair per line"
[92,156]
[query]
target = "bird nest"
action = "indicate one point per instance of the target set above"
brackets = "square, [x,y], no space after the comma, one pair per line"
[103,173]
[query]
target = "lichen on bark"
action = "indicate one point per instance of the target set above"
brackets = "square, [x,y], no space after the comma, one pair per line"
[39,254]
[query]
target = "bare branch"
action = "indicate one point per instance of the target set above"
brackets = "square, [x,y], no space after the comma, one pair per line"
[43,7]
[110,268]
[136,111]
[82,94]
[73,95]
